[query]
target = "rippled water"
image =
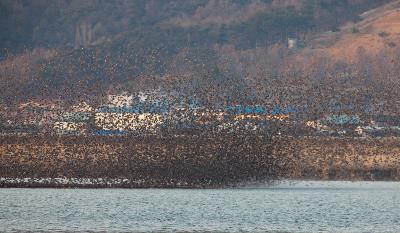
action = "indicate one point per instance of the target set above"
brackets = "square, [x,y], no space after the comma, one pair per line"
[299,207]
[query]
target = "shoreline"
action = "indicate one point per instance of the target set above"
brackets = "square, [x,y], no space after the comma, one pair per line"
[193,162]
[33,183]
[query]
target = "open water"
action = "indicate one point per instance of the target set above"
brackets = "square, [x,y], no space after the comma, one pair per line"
[288,207]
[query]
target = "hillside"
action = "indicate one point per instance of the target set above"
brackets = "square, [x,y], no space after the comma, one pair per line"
[359,62]
[376,31]
[76,23]
[71,50]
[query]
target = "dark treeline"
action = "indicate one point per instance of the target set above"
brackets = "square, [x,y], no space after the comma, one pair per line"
[46,23]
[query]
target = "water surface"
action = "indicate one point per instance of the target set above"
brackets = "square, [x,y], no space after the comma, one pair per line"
[288,207]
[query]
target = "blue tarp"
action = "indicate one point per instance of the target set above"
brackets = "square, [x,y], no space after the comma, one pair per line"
[109,132]
[258,110]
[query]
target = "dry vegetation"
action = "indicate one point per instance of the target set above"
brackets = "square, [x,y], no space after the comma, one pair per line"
[348,158]
[151,162]
[199,161]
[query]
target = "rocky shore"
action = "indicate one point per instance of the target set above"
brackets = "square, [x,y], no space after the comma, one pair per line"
[191,161]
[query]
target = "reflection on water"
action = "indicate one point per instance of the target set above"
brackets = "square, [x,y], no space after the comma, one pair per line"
[287,207]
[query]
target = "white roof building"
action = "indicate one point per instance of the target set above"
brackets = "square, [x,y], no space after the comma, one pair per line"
[82,107]
[121,100]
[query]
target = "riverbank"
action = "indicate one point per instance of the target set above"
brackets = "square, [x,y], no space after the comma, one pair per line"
[191,161]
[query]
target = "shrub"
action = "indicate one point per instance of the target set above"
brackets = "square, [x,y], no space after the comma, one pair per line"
[383,34]
[357,19]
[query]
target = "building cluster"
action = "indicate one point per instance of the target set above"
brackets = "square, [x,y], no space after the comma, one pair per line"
[353,125]
[155,112]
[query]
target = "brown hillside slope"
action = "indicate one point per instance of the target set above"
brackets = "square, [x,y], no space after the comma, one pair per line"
[377,32]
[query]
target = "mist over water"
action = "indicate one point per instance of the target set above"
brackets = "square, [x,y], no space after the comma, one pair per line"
[305,206]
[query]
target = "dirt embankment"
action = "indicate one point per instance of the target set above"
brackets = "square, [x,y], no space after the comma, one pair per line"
[347,158]
[192,161]
[188,161]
